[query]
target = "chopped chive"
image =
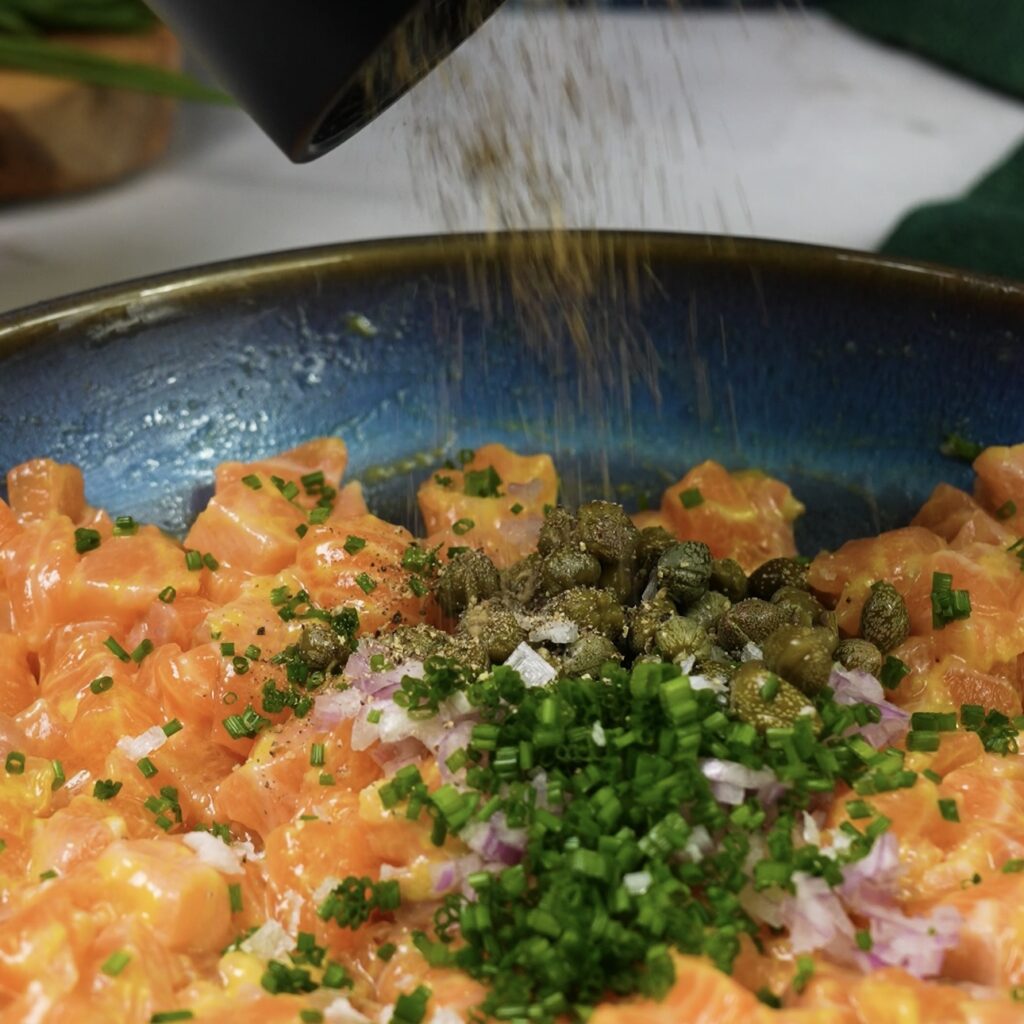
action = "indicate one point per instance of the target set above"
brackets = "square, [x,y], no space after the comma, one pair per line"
[168,1016]
[326,779]
[482,483]
[235,897]
[932,776]
[691,497]
[319,515]
[948,810]
[146,766]
[417,586]
[804,973]
[45,876]
[1006,510]
[1013,866]
[353,544]
[193,560]
[462,526]
[312,480]
[310,1016]
[956,446]
[240,665]
[770,689]
[167,595]
[858,809]
[210,562]
[366,583]
[442,481]
[377,662]
[290,490]
[923,741]
[125,526]
[863,938]
[373,716]
[317,755]
[516,509]
[86,540]
[115,963]
[301,530]
[387,951]
[171,727]
[252,652]
[253,481]
[105,789]
[227,649]
[15,763]
[893,671]
[163,822]
[116,649]
[145,647]
[59,777]
[934,721]
[101,684]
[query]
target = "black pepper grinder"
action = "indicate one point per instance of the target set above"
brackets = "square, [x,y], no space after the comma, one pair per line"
[313,72]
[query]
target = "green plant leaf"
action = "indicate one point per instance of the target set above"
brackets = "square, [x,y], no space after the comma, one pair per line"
[45,57]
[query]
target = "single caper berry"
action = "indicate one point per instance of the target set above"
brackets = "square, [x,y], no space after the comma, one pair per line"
[568,567]
[885,621]
[709,609]
[728,577]
[557,531]
[776,573]
[679,637]
[651,543]
[800,607]
[521,581]
[802,655]
[321,647]
[591,609]
[606,531]
[469,577]
[759,697]
[683,571]
[748,622]
[646,619]
[588,654]
[494,625]
[859,654]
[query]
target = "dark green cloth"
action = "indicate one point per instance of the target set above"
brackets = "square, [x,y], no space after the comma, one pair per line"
[983,39]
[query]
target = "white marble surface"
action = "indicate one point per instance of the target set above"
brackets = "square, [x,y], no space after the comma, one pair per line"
[780,125]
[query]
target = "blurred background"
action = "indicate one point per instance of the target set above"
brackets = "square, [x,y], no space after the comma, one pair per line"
[776,120]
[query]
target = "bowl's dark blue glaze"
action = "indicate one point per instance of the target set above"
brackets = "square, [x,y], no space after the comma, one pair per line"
[836,371]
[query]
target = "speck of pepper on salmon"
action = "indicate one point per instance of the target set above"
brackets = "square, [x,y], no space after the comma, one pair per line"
[538,764]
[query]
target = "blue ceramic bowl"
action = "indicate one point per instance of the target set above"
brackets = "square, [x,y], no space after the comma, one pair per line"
[839,372]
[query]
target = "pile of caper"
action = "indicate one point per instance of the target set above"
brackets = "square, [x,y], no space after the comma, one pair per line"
[629,595]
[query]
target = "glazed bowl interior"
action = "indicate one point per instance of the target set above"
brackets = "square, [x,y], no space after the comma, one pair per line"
[629,357]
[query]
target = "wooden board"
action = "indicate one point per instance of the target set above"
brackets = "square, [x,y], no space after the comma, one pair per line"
[59,136]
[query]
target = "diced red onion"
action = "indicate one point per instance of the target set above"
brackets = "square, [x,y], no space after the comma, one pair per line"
[450,874]
[597,734]
[136,747]
[729,779]
[555,631]
[698,843]
[455,738]
[636,883]
[815,916]
[214,852]
[335,706]
[384,682]
[340,1011]
[532,668]
[495,841]
[852,686]
[751,652]
[707,683]
[394,756]
[917,944]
